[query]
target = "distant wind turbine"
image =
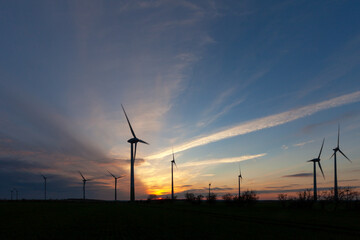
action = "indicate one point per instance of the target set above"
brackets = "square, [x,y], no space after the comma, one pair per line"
[172,176]
[317,160]
[337,149]
[132,141]
[240,179]
[44,185]
[209,190]
[16,191]
[116,178]
[84,183]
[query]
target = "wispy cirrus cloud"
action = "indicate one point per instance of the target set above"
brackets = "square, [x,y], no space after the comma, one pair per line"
[222,160]
[263,123]
[302,143]
[299,175]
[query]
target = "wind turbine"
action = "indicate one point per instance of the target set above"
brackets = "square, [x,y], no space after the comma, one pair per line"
[317,160]
[133,141]
[172,176]
[44,185]
[240,178]
[84,182]
[116,178]
[337,149]
[14,190]
[209,190]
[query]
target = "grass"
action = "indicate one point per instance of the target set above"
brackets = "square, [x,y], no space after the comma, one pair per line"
[166,220]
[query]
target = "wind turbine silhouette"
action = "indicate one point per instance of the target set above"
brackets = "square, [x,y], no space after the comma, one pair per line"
[172,175]
[240,179]
[337,149]
[44,185]
[317,160]
[84,182]
[116,178]
[14,190]
[132,141]
[209,190]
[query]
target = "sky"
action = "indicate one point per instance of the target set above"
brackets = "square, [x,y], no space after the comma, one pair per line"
[255,85]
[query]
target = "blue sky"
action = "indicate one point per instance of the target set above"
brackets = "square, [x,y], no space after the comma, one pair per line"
[220,82]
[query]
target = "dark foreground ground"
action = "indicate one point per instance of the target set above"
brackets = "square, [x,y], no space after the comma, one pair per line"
[179,220]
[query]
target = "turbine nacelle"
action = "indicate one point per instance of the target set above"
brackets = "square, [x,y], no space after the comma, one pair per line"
[136,140]
[314,160]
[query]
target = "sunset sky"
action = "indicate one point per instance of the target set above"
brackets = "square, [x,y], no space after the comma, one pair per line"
[223,83]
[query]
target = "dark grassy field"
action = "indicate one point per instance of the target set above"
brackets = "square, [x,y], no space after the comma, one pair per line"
[178,220]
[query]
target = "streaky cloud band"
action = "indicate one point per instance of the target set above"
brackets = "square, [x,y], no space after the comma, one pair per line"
[262,123]
[222,160]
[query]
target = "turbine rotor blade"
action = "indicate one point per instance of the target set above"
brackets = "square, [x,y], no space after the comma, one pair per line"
[344,155]
[175,165]
[321,148]
[143,141]
[332,155]
[111,173]
[131,129]
[321,169]
[82,175]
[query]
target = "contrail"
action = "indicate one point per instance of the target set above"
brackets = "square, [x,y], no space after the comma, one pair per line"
[262,123]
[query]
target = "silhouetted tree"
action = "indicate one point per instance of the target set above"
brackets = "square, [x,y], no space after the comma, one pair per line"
[249,197]
[190,197]
[152,197]
[211,198]
[228,197]
[283,199]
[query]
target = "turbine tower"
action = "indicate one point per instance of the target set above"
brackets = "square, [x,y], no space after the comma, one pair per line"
[116,178]
[240,179]
[133,141]
[84,182]
[337,149]
[172,176]
[44,185]
[317,160]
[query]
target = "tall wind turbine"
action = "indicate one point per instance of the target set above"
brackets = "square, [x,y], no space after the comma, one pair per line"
[172,176]
[44,185]
[337,149]
[116,178]
[239,178]
[133,141]
[84,182]
[317,160]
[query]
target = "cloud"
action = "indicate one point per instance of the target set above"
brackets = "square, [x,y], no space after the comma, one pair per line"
[222,160]
[224,110]
[346,116]
[262,123]
[282,187]
[348,180]
[299,175]
[302,143]
[284,147]
[208,175]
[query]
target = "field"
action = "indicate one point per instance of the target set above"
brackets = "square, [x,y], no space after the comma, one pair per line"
[178,220]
